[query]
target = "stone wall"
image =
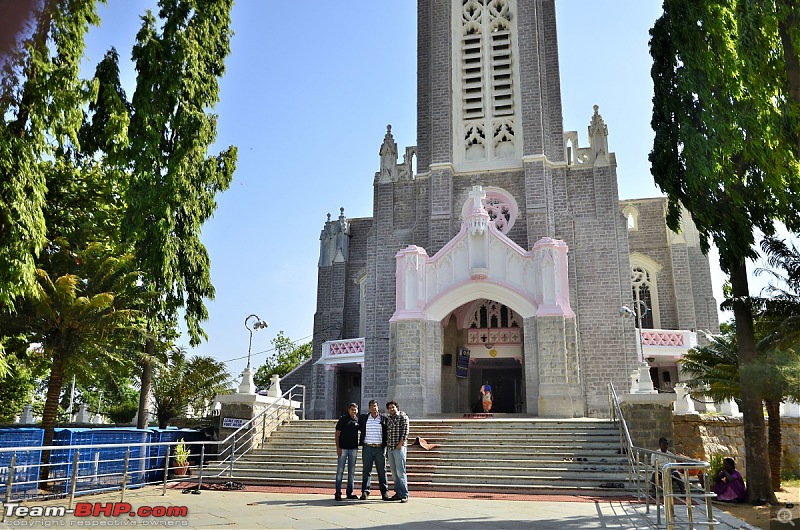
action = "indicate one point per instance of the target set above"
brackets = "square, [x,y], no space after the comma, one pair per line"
[701,435]
[648,419]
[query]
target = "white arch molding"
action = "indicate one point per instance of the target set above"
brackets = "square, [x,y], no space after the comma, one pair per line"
[481,262]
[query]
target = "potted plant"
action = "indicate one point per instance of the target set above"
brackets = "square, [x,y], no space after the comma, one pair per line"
[715,461]
[181,458]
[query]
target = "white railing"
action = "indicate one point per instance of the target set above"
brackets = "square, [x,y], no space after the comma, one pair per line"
[254,432]
[346,350]
[670,343]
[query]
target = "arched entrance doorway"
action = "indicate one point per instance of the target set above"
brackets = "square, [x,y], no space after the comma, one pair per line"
[483,344]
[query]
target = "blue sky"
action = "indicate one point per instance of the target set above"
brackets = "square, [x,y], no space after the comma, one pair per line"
[309,89]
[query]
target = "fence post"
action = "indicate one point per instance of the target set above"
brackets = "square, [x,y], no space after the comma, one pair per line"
[125,473]
[304,402]
[263,429]
[166,472]
[74,477]
[233,452]
[200,477]
[9,483]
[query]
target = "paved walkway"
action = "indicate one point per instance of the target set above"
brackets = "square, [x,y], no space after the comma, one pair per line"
[280,510]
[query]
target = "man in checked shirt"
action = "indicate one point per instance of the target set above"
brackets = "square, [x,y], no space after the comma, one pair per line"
[397,440]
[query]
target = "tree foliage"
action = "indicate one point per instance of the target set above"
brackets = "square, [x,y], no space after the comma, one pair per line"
[286,358]
[726,113]
[17,387]
[179,59]
[40,101]
[714,372]
[187,382]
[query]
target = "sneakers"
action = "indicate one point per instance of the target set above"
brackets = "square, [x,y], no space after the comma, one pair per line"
[352,497]
[337,497]
[364,496]
[395,497]
[385,497]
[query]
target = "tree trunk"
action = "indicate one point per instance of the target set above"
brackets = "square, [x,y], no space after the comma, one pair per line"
[775,442]
[787,23]
[50,413]
[147,378]
[759,481]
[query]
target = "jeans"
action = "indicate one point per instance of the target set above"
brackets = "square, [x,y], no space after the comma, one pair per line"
[397,459]
[349,456]
[376,455]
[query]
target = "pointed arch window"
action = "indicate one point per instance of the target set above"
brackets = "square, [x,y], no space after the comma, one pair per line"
[642,297]
[631,214]
[494,323]
[487,80]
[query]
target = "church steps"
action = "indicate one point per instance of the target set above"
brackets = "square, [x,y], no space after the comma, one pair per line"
[440,473]
[529,455]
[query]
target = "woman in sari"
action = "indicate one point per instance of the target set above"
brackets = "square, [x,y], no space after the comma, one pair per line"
[486,397]
[729,485]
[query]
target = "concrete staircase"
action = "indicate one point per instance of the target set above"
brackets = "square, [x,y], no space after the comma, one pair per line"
[531,455]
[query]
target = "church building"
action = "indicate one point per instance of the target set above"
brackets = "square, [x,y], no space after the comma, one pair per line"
[498,250]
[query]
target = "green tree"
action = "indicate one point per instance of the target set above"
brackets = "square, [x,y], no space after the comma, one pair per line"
[286,358]
[714,371]
[36,102]
[77,317]
[17,387]
[182,383]
[727,122]
[173,180]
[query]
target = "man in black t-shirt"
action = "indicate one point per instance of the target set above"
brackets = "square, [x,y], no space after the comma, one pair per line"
[347,450]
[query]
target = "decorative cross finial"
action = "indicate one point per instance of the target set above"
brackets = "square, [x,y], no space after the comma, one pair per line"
[477,195]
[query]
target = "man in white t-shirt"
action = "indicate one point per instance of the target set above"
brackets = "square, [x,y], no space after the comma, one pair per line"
[664,456]
[373,450]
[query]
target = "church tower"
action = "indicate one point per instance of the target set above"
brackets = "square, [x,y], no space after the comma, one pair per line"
[489,100]
[503,259]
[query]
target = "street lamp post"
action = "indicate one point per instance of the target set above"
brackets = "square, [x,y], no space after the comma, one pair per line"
[625,312]
[247,386]
[641,310]
[643,383]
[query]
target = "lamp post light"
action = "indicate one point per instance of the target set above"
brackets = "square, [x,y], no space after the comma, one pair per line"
[247,386]
[642,310]
[625,312]
[643,384]
[258,324]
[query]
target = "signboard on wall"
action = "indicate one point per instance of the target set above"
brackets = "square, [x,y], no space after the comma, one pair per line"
[462,363]
[232,423]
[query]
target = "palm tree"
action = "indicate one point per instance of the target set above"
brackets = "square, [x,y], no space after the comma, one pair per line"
[714,368]
[183,382]
[714,371]
[76,316]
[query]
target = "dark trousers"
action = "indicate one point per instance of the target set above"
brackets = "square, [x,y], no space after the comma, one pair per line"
[377,456]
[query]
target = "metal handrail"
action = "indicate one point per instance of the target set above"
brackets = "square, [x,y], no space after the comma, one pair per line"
[80,470]
[246,433]
[643,472]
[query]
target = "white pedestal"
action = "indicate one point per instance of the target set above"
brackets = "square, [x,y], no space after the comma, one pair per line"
[683,402]
[644,384]
[730,408]
[247,386]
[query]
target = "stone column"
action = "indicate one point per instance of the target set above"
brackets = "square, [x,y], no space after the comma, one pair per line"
[560,394]
[414,367]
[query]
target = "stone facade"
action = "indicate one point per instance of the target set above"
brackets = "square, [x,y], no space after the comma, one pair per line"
[502,137]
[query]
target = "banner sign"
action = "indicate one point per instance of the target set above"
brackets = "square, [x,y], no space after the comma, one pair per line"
[462,363]
[232,423]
